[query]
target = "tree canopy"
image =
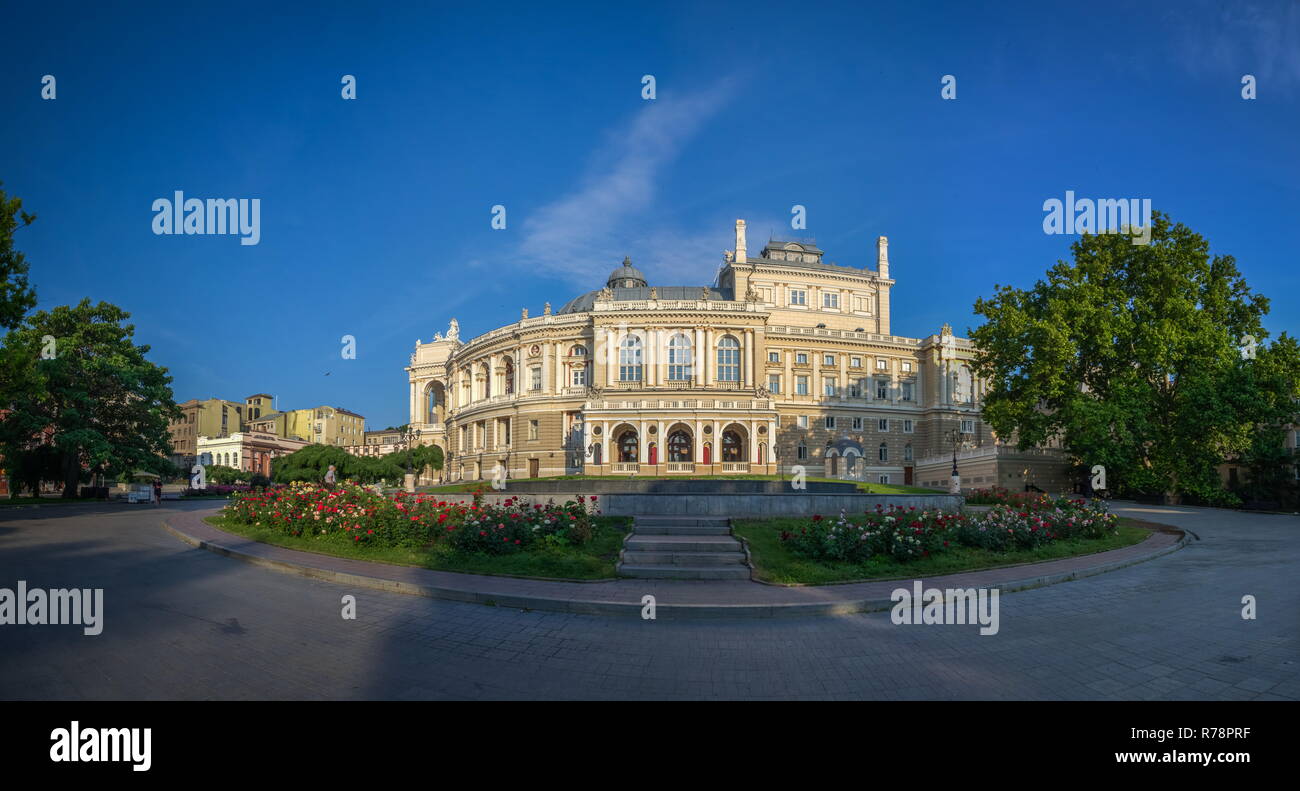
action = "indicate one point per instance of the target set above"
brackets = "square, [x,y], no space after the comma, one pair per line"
[1132,355]
[310,464]
[16,295]
[81,382]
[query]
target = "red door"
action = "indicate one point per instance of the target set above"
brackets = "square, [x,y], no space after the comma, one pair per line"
[654,454]
[708,454]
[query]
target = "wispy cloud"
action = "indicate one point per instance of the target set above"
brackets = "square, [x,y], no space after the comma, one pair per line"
[585,233]
[1254,38]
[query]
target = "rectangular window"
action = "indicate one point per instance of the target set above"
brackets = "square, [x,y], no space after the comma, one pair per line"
[801,358]
[908,391]
[907,367]
[829,386]
[828,359]
[855,390]
[883,424]
[505,431]
[884,479]
[774,384]
[802,421]
[774,357]
[535,378]
[830,421]
[802,453]
[679,359]
[855,362]
[882,364]
[579,377]
[798,296]
[801,385]
[907,453]
[907,427]
[857,424]
[968,427]
[882,389]
[830,299]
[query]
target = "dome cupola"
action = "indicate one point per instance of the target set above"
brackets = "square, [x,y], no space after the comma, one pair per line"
[626,276]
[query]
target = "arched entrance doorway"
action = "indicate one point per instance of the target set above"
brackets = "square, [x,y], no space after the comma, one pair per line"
[627,444]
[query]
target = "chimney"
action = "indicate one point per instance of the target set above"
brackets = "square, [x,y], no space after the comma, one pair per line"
[882,257]
[740,241]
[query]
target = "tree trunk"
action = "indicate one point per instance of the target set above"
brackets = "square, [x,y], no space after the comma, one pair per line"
[71,472]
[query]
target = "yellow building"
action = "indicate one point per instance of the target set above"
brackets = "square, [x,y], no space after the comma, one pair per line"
[322,425]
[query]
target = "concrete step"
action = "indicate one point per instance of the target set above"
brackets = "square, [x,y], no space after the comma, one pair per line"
[682,544]
[685,572]
[684,558]
[681,521]
[682,530]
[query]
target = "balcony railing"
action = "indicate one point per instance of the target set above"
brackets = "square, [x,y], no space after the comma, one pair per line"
[626,466]
[735,466]
[681,466]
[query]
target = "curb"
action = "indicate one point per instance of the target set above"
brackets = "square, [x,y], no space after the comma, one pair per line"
[668,611]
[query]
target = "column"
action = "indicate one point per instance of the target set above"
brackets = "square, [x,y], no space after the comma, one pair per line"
[560,379]
[697,359]
[750,360]
[697,447]
[611,357]
[706,356]
[642,451]
[413,412]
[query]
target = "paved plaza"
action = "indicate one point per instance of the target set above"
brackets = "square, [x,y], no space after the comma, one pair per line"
[184,623]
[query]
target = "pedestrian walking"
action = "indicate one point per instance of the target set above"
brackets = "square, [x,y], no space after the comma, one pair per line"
[157,492]
[329,475]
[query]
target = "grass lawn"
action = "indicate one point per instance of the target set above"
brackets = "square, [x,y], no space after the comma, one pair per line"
[593,560]
[863,486]
[773,562]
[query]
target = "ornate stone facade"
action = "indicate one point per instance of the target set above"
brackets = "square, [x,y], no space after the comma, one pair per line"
[788,361]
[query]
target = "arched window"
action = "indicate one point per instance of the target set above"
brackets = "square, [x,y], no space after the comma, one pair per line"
[679,358]
[629,359]
[728,359]
[578,350]
[627,446]
[486,375]
[510,377]
[679,446]
[733,447]
[884,452]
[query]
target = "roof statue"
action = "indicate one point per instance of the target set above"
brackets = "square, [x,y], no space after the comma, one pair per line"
[453,330]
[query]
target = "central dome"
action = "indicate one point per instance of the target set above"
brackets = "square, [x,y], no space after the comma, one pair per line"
[626,276]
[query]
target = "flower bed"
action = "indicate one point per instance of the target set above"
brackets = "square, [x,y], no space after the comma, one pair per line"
[907,534]
[353,514]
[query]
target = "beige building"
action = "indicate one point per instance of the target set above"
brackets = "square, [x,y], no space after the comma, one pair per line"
[213,417]
[251,451]
[378,443]
[788,361]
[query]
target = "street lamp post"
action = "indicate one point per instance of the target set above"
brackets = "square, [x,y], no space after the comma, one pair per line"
[410,436]
[954,485]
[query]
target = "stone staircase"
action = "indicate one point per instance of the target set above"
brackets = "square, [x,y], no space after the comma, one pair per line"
[683,548]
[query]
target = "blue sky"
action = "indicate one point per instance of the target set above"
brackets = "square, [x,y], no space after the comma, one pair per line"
[375,217]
